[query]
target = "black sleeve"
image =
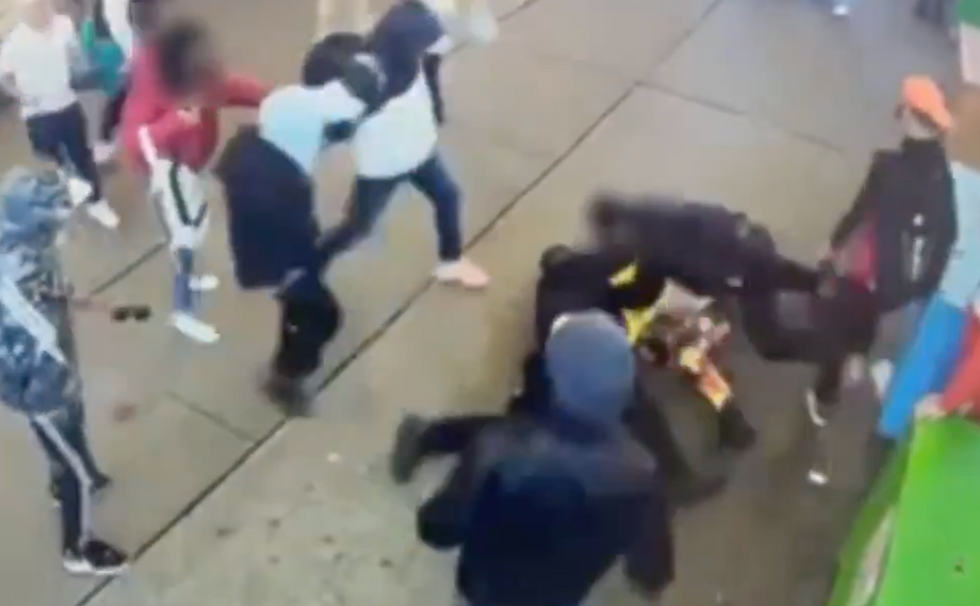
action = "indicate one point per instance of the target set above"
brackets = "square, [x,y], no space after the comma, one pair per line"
[650,560]
[863,204]
[443,520]
[945,239]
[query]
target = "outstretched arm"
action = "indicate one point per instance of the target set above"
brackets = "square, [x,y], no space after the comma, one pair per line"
[243,91]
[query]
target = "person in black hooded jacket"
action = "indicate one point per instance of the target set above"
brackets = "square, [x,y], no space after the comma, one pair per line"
[542,506]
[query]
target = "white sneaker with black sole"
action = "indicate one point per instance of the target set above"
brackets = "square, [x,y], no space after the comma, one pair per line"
[95,558]
[102,213]
[205,283]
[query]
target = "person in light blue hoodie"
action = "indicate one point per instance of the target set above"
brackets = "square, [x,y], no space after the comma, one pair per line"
[38,363]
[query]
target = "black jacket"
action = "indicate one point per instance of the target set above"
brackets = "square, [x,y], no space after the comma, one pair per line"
[907,198]
[707,248]
[272,227]
[541,507]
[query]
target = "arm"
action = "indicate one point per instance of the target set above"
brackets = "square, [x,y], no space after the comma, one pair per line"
[118,19]
[650,560]
[945,239]
[863,204]
[8,61]
[243,91]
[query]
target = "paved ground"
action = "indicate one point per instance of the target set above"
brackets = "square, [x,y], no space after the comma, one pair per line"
[767,105]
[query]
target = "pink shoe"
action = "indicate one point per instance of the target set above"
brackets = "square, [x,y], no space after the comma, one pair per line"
[463,273]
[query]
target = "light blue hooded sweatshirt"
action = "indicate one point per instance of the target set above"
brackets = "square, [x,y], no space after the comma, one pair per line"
[961,280]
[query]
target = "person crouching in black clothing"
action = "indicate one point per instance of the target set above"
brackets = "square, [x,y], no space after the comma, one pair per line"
[570,281]
[541,506]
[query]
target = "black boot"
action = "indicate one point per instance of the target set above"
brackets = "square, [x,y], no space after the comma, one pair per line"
[288,393]
[406,454]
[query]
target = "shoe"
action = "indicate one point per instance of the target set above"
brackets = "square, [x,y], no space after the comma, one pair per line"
[100,483]
[734,430]
[881,376]
[103,151]
[288,393]
[815,409]
[95,558]
[103,214]
[79,190]
[193,328]
[464,273]
[841,10]
[205,283]
[406,454]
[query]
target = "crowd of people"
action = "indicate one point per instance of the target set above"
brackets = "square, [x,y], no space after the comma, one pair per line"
[580,470]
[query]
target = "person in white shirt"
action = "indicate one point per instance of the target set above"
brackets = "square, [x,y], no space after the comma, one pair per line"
[37,62]
[396,141]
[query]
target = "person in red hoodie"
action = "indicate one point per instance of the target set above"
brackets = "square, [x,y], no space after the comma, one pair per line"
[962,393]
[170,133]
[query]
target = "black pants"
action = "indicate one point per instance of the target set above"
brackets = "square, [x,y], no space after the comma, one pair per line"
[62,137]
[309,318]
[112,115]
[451,435]
[62,436]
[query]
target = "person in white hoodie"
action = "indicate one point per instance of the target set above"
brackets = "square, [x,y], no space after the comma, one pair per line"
[39,61]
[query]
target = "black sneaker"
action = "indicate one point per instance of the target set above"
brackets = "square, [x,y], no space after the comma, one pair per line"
[95,558]
[100,483]
[406,454]
[734,430]
[289,394]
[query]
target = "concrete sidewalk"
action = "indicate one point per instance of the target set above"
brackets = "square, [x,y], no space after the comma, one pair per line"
[769,106]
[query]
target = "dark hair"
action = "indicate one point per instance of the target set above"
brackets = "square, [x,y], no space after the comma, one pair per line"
[176,46]
[329,59]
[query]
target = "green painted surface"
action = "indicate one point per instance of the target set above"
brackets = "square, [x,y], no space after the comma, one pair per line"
[935,553]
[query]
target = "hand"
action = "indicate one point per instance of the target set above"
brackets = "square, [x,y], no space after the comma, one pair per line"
[855,367]
[930,408]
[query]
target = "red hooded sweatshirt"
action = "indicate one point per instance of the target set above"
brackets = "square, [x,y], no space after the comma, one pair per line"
[150,104]
[964,387]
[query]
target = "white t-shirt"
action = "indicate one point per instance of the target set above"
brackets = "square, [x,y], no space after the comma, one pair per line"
[399,138]
[40,63]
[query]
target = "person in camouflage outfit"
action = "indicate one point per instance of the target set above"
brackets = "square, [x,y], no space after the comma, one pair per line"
[38,362]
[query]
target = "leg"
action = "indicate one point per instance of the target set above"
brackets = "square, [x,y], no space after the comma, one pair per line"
[438,185]
[368,200]
[105,147]
[309,318]
[75,146]
[59,436]
[418,439]
[183,317]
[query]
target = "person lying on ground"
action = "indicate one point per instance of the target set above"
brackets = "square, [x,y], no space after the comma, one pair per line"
[571,281]
[542,506]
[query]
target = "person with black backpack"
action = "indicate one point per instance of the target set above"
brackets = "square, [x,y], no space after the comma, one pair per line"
[541,506]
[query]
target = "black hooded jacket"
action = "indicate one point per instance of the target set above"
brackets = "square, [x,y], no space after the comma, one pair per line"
[907,200]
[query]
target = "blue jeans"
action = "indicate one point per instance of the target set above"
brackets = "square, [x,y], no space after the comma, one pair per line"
[183,273]
[370,198]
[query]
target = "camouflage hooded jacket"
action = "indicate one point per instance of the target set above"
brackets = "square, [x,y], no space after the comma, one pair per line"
[38,374]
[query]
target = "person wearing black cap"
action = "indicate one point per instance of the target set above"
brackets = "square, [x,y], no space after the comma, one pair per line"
[542,506]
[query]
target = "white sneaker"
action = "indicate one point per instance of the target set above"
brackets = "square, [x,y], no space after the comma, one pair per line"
[102,213]
[103,151]
[881,376]
[79,190]
[194,328]
[205,283]
[464,273]
[841,10]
